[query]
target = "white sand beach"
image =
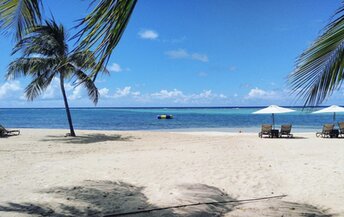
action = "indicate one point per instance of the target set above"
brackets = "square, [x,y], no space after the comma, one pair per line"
[101,173]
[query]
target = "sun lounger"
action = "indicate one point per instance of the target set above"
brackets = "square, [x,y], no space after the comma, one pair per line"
[341,128]
[285,131]
[326,131]
[266,130]
[4,132]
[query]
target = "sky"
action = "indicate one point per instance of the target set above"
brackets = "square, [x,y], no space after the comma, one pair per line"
[190,53]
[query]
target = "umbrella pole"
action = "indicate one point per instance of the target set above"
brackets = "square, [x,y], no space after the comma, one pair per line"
[273,120]
[334,117]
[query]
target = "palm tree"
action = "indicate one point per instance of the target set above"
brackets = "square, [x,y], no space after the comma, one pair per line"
[45,55]
[320,69]
[102,28]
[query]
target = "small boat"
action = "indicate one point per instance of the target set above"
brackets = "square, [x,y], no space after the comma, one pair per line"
[165,116]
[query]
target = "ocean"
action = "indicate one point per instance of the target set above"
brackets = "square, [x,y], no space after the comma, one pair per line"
[185,119]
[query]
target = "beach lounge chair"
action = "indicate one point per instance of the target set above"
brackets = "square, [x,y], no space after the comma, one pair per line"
[326,131]
[341,128]
[266,130]
[285,131]
[4,132]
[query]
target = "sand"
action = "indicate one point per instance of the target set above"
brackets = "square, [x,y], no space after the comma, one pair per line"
[99,173]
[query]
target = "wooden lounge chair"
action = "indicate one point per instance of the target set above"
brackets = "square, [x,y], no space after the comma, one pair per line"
[341,128]
[285,131]
[326,131]
[266,130]
[4,132]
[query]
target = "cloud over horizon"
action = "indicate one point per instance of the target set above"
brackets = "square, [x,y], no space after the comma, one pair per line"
[257,93]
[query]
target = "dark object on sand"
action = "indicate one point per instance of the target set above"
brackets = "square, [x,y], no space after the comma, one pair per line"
[285,131]
[266,130]
[326,131]
[4,132]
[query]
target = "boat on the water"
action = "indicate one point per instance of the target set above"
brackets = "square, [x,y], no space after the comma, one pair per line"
[165,116]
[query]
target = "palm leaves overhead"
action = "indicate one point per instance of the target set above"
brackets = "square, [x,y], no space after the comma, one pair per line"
[319,70]
[19,15]
[104,27]
[45,56]
[101,29]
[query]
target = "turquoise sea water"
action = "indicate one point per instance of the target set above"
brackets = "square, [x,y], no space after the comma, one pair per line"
[216,119]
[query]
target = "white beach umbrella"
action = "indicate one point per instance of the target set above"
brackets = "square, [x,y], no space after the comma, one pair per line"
[273,109]
[331,109]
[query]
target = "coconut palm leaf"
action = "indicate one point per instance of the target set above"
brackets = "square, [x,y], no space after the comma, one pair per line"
[87,81]
[319,70]
[38,85]
[29,66]
[103,28]
[84,59]
[46,40]
[19,15]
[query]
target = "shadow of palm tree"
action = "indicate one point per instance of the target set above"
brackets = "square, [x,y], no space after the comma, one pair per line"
[107,198]
[277,207]
[89,138]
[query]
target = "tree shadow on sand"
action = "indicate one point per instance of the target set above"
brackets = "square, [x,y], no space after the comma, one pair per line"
[89,138]
[107,198]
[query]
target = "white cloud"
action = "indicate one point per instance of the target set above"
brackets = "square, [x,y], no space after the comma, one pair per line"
[184,54]
[177,54]
[8,88]
[123,92]
[199,57]
[52,91]
[257,93]
[136,93]
[103,92]
[76,93]
[164,94]
[148,34]
[179,97]
[119,93]
[115,67]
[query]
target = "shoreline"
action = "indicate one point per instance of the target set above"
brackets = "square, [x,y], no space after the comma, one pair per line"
[252,130]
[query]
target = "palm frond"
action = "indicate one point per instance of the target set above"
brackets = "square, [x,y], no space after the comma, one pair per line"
[87,81]
[319,70]
[103,28]
[38,85]
[47,40]
[84,59]
[19,15]
[29,66]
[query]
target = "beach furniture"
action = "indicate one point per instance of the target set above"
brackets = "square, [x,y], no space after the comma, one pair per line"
[341,128]
[273,109]
[4,132]
[326,131]
[266,130]
[285,131]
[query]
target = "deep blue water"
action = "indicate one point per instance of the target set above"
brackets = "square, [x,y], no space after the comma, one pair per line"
[223,119]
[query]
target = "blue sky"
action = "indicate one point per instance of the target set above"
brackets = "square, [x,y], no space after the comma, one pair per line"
[192,53]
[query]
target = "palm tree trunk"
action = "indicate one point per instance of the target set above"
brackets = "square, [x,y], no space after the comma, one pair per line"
[69,117]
